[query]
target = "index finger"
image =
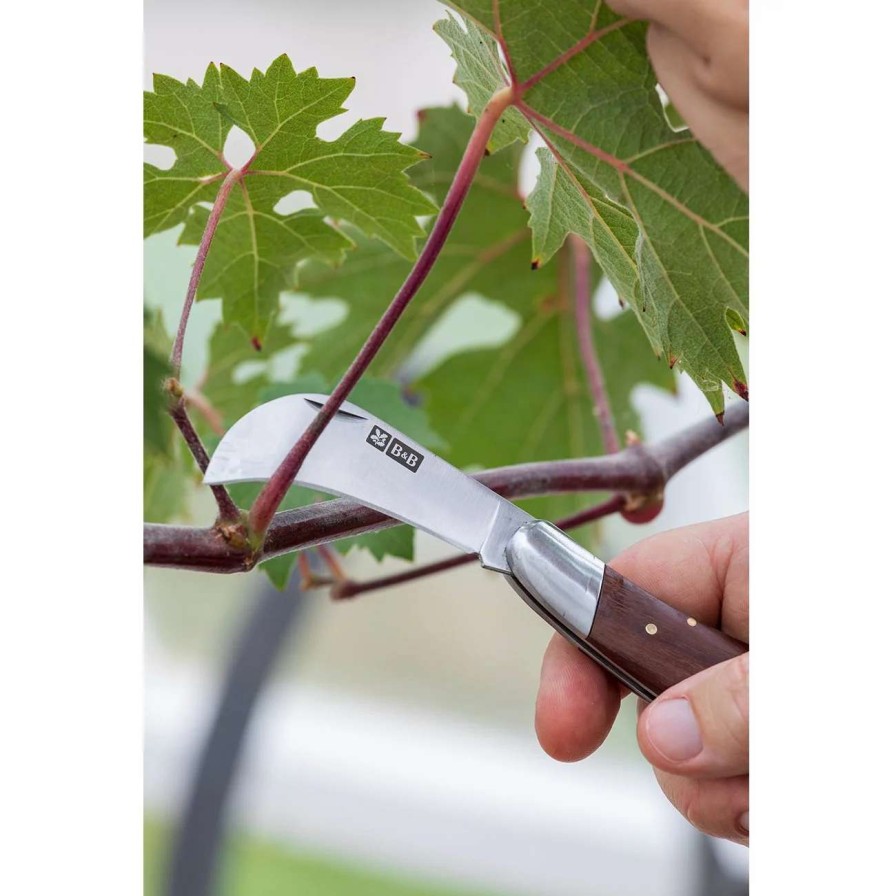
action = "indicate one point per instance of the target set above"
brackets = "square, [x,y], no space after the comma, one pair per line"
[701,570]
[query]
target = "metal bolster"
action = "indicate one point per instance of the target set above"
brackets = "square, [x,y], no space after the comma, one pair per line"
[557,573]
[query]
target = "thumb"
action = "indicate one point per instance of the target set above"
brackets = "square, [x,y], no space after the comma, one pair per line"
[700,727]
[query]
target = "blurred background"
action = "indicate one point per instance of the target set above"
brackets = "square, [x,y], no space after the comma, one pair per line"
[384,744]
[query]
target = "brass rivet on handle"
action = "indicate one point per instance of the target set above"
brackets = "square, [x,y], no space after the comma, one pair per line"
[691,620]
[650,628]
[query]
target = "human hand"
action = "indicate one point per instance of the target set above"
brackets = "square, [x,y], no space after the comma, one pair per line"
[696,733]
[700,52]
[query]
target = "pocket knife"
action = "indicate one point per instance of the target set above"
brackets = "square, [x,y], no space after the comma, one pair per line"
[643,642]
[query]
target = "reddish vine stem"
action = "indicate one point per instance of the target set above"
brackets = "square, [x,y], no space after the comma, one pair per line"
[349,588]
[587,349]
[306,575]
[637,469]
[202,253]
[332,562]
[269,499]
[227,510]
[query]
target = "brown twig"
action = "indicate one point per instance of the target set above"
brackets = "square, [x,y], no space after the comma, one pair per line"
[348,588]
[201,254]
[332,562]
[227,510]
[639,468]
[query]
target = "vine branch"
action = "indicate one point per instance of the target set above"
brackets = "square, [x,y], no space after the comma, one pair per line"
[227,510]
[269,499]
[637,469]
[346,588]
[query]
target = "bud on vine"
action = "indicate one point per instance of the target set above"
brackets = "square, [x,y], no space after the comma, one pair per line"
[643,508]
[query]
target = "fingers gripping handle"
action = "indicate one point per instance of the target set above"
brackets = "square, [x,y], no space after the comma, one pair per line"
[653,643]
[645,643]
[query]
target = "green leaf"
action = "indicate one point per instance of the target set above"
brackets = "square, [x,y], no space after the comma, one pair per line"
[378,397]
[307,382]
[168,480]
[587,87]
[528,399]
[388,402]
[157,423]
[279,569]
[395,542]
[167,464]
[479,73]
[487,254]
[230,393]
[358,177]
[558,208]
[673,117]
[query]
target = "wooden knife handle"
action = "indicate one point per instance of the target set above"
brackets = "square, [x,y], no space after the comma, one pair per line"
[653,644]
[646,644]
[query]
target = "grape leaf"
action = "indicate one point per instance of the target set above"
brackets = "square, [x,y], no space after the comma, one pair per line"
[168,480]
[229,393]
[170,474]
[166,461]
[478,74]
[586,86]
[378,397]
[358,177]
[279,569]
[156,421]
[558,209]
[487,253]
[528,399]
[395,542]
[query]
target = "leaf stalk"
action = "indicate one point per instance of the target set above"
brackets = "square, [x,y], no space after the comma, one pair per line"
[205,243]
[228,512]
[342,590]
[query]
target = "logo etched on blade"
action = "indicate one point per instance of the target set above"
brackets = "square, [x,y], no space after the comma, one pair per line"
[397,450]
[406,456]
[379,438]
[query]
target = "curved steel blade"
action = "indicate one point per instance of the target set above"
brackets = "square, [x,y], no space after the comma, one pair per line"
[364,458]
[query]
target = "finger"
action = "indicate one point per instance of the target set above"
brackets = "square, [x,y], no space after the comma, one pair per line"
[701,570]
[576,705]
[718,807]
[719,124]
[723,75]
[714,29]
[700,727]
